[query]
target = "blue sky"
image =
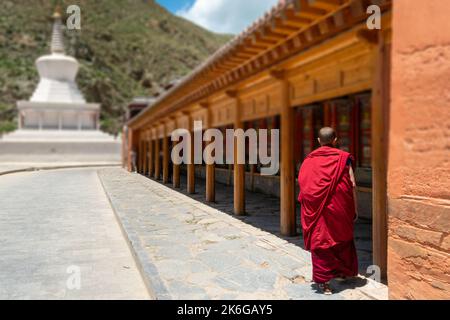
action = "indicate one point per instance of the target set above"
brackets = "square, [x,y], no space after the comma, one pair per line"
[176,5]
[222,16]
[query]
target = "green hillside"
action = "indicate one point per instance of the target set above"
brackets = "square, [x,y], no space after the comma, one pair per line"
[126,48]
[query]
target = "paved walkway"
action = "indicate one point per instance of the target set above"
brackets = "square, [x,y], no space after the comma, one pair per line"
[189,250]
[263,212]
[54,224]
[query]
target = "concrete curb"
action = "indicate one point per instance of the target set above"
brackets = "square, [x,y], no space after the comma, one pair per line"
[149,273]
[29,169]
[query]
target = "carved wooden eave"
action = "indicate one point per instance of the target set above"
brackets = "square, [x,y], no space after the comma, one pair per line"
[287,29]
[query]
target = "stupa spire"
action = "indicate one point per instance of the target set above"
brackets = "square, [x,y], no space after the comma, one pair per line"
[57,44]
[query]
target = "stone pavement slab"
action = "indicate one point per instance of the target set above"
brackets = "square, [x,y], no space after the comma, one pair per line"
[56,225]
[263,212]
[188,250]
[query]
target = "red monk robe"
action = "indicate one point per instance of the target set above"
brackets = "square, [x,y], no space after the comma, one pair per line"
[328,213]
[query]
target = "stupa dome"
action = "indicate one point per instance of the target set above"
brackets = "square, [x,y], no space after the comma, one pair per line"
[57,72]
[57,103]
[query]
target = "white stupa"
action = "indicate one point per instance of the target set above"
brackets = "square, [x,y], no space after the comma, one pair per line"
[57,125]
[57,104]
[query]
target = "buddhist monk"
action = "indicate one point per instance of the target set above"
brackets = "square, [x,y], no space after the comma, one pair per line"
[328,211]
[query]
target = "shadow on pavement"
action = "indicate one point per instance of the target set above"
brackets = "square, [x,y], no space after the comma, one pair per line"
[263,212]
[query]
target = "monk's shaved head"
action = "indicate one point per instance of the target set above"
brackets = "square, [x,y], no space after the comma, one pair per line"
[327,136]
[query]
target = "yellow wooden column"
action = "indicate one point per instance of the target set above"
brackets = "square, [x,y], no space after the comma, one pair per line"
[176,173]
[138,151]
[210,168]
[129,149]
[287,165]
[151,156]
[191,165]
[210,182]
[125,142]
[157,158]
[140,154]
[145,168]
[239,169]
[165,157]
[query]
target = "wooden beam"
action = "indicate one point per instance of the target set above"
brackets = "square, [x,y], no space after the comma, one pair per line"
[296,23]
[229,65]
[282,26]
[244,54]
[254,50]
[237,60]
[305,10]
[291,17]
[272,35]
[324,26]
[357,9]
[339,19]
[328,5]
[264,42]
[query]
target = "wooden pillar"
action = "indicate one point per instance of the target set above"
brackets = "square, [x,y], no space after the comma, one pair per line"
[176,173]
[191,165]
[239,169]
[145,155]
[157,159]
[124,148]
[210,168]
[165,158]
[129,150]
[380,111]
[287,166]
[210,182]
[139,155]
[142,155]
[151,157]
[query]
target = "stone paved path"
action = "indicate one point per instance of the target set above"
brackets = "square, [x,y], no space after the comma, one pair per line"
[263,212]
[189,250]
[52,220]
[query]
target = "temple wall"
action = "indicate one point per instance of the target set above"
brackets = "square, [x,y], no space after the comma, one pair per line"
[419,152]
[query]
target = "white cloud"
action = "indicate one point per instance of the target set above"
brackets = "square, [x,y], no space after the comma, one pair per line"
[226,16]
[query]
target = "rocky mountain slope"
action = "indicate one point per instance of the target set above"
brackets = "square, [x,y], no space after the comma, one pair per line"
[126,48]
